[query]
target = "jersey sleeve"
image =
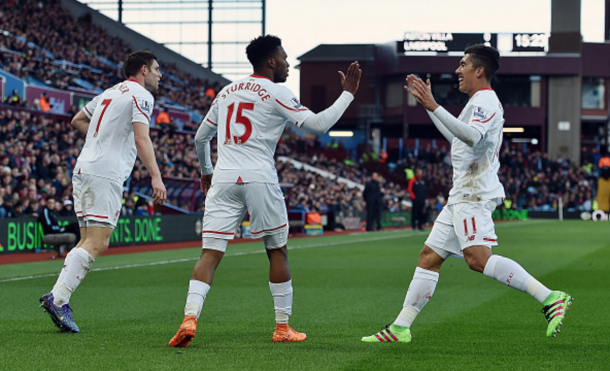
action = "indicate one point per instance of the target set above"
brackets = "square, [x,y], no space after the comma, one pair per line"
[89,108]
[289,107]
[143,104]
[211,118]
[483,113]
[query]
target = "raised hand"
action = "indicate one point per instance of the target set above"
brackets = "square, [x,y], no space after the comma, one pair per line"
[351,80]
[421,91]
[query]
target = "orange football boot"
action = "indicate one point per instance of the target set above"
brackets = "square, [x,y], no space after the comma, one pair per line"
[185,333]
[284,334]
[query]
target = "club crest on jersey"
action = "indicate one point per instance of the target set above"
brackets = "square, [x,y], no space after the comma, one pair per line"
[295,102]
[145,106]
[480,112]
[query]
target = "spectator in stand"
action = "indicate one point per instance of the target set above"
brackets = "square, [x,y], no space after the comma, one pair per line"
[128,207]
[419,194]
[50,224]
[210,93]
[163,120]
[14,99]
[68,209]
[373,197]
[603,183]
[19,210]
[34,208]
[44,104]
[6,210]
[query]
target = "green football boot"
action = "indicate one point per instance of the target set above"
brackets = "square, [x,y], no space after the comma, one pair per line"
[390,334]
[555,308]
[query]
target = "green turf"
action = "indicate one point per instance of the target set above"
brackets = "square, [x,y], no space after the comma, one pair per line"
[345,287]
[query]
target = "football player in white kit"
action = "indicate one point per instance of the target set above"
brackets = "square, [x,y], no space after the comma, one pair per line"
[249,116]
[465,226]
[116,124]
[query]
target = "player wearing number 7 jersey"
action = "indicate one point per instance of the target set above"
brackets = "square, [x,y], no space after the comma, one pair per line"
[465,225]
[249,116]
[116,124]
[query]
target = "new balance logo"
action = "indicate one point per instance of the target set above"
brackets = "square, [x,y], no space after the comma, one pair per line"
[510,277]
[471,238]
[78,278]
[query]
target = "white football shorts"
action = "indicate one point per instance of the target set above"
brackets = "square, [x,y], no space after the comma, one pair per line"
[462,225]
[226,205]
[96,199]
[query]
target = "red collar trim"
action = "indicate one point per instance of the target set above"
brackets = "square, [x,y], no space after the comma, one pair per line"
[134,80]
[486,89]
[260,77]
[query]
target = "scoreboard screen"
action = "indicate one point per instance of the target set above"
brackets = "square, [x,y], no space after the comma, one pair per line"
[443,42]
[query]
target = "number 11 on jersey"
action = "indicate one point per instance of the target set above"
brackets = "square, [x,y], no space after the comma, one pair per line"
[239,119]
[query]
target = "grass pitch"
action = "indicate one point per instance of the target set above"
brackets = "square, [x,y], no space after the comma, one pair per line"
[130,306]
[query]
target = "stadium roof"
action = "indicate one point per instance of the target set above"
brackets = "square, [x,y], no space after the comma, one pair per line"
[340,53]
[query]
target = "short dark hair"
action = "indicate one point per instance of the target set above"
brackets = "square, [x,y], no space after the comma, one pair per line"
[486,57]
[136,60]
[261,48]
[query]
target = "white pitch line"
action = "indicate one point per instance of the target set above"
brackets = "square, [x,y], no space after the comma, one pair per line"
[379,238]
[371,238]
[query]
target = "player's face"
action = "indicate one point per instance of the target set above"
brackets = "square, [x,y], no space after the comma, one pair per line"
[153,75]
[466,75]
[281,66]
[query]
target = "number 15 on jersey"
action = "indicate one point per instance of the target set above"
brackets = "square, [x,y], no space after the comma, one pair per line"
[240,119]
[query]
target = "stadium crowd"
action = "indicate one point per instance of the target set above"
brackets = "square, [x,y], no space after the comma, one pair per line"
[41,40]
[38,153]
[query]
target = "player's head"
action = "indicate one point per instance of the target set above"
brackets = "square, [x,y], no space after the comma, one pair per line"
[486,57]
[143,63]
[480,62]
[266,54]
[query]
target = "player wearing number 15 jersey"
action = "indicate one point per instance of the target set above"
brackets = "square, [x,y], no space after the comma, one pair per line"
[249,116]
[465,225]
[116,124]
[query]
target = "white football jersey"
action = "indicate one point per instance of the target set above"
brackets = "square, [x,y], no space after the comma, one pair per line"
[475,169]
[250,115]
[110,148]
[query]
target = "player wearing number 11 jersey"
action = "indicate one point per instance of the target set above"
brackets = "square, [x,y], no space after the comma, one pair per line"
[116,124]
[249,116]
[465,225]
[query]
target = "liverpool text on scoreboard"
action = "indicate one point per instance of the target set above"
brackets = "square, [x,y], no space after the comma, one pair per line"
[446,42]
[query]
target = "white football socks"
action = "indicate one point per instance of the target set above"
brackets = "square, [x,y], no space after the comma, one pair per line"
[195,298]
[513,275]
[282,299]
[77,264]
[420,292]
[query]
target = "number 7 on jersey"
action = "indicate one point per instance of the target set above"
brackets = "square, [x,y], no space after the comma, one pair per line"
[105,103]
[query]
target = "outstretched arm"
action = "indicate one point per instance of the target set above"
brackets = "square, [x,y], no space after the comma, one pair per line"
[321,122]
[423,94]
